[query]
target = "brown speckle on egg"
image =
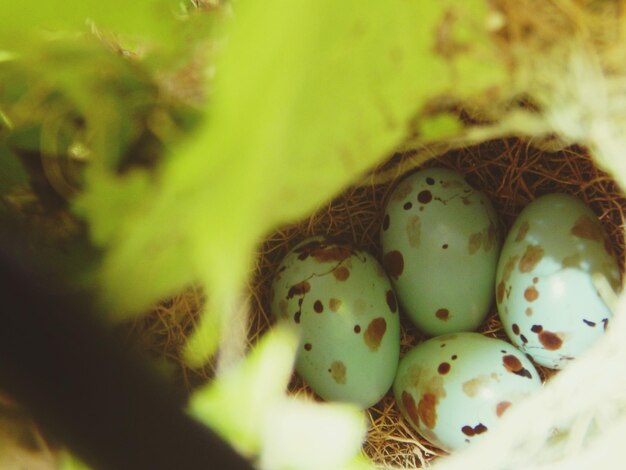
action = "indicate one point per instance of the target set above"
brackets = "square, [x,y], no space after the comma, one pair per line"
[414,231]
[550,341]
[357,329]
[444,246]
[300,288]
[424,197]
[427,410]
[500,290]
[308,346]
[338,372]
[531,257]
[443,314]
[296,316]
[334,304]
[341,273]
[536,328]
[407,206]
[514,365]
[318,306]
[472,431]
[529,312]
[472,387]
[410,407]
[501,407]
[589,323]
[430,181]
[509,266]
[475,240]
[531,294]
[394,263]
[515,328]
[390,297]
[374,333]
[443,368]
[588,228]
[522,231]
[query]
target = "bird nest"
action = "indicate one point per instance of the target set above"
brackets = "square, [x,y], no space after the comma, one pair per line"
[511,172]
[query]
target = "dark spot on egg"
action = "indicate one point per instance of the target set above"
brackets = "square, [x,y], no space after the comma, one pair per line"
[480,428]
[531,294]
[308,346]
[427,410]
[589,323]
[298,289]
[442,345]
[386,222]
[334,304]
[454,357]
[394,263]
[515,328]
[410,407]
[522,231]
[514,365]
[550,341]
[430,181]
[531,258]
[424,197]
[296,316]
[472,431]
[605,322]
[341,273]
[443,314]
[523,338]
[500,290]
[588,228]
[338,372]
[502,407]
[407,206]
[536,329]
[468,430]
[374,333]
[318,306]
[391,301]
[444,246]
[443,368]
[357,328]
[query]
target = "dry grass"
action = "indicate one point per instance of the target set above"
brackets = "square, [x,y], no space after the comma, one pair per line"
[510,172]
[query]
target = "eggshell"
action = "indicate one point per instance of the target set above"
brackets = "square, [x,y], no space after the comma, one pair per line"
[453,389]
[545,294]
[440,243]
[342,302]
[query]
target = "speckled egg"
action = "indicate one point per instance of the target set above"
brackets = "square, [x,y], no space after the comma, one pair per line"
[546,298]
[454,388]
[342,302]
[440,244]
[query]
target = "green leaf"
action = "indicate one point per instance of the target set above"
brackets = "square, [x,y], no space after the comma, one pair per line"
[309,95]
[12,173]
[236,404]
[248,407]
[147,18]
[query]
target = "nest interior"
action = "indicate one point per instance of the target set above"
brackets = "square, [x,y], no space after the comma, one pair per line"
[510,172]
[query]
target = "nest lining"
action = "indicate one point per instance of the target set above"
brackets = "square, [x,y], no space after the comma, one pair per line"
[510,172]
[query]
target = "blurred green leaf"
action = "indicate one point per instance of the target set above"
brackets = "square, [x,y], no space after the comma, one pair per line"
[12,173]
[308,96]
[147,18]
[248,407]
[236,404]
